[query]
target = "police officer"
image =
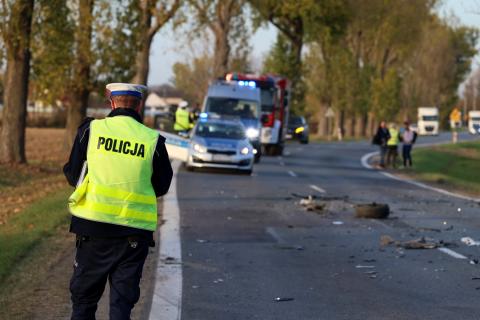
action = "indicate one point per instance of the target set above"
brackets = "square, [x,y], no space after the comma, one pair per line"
[119,168]
[182,118]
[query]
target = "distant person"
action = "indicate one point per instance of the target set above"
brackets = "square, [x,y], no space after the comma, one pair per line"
[182,118]
[195,113]
[381,138]
[408,138]
[392,146]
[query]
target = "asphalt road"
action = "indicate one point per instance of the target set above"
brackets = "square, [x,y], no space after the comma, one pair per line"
[246,241]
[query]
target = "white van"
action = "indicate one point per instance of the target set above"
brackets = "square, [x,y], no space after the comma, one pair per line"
[428,122]
[474,122]
[240,99]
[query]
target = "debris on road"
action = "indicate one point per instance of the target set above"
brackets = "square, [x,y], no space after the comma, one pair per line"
[421,243]
[282,299]
[202,241]
[310,204]
[289,247]
[337,223]
[372,210]
[470,242]
[474,261]
[429,229]
[369,260]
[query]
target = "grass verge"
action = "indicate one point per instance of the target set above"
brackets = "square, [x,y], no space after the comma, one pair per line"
[454,166]
[26,230]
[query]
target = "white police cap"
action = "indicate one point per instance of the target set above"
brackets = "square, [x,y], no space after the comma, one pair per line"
[130,89]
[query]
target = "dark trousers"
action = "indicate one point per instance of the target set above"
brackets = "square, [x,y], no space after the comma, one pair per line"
[392,154]
[119,260]
[383,152]
[407,155]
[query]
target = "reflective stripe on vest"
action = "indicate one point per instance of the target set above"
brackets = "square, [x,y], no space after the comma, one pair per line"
[182,120]
[394,137]
[118,187]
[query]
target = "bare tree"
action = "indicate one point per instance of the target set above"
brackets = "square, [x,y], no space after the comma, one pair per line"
[16,27]
[223,18]
[80,90]
[154,15]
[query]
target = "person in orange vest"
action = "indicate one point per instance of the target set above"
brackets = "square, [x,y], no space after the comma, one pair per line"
[119,168]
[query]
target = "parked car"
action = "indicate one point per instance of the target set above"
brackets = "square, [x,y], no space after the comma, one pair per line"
[219,143]
[298,129]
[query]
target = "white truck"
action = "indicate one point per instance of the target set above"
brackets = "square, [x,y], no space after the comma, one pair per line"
[474,122]
[428,121]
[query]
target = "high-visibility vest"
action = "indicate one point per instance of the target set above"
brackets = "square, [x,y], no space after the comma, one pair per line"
[182,120]
[394,137]
[117,188]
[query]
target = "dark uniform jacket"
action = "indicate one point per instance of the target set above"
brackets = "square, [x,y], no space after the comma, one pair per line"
[381,137]
[161,178]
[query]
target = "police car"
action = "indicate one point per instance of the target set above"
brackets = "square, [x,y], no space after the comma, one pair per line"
[220,143]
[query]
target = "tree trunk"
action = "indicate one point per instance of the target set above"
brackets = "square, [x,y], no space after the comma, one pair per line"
[77,108]
[322,130]
[372,125]
[350,126]
[222,52]
[361,125]
[298,88]
[142,63]
[12,135]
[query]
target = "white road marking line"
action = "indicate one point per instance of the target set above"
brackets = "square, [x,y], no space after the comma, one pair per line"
[167,294]
[293,174]
[287,153]
[317,188]
[364,160]
[271,231]
[452,253]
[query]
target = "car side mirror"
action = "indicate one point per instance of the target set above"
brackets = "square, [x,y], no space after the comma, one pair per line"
[264,119]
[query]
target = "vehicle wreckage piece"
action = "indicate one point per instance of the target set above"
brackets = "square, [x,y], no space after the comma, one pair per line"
[372,210]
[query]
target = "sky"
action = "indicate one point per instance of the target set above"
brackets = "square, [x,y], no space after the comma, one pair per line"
[168,46]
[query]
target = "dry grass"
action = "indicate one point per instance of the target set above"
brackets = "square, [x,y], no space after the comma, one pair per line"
[20,185]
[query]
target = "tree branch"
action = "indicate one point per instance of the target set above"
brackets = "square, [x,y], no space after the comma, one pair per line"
[162,16]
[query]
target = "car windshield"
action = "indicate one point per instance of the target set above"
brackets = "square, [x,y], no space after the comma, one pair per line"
[220,130]
[245,109]
[295,121]
[267,97]
[430,118]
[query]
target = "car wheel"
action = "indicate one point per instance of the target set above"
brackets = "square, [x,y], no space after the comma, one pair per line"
[257,158]
[372,210]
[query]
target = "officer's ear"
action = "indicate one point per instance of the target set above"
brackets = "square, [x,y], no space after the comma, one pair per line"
[140,106]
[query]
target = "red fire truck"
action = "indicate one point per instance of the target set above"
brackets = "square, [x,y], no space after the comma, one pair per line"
[275,91]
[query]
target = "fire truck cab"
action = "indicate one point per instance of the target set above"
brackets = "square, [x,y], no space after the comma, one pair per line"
[274,92]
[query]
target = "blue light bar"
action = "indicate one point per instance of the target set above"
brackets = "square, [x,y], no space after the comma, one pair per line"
[203,115]
[251,84]
[241,83]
